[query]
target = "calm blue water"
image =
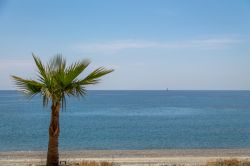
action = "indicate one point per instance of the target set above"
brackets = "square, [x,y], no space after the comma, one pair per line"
[130,120]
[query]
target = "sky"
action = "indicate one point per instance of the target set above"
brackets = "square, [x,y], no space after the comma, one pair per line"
[151,44]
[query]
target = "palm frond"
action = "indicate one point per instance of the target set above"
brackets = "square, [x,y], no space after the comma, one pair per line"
[28,87]
[75,89]
[73,71]
[57,64]
[45,101]
[94,77]
[47,95]
[63,99]
[43,76]
[56,81]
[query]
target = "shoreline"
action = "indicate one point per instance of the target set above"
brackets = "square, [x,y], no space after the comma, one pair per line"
[128,157]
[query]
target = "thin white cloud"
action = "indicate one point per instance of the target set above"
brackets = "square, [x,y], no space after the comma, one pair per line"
[121,45]
[11,64]
[10,67]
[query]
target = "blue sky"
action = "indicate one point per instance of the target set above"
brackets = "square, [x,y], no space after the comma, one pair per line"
[151,44]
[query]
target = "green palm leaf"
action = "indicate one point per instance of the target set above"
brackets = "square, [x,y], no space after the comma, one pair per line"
[42,73]
[28,87]
[73,71]
[94,77]
[56,80]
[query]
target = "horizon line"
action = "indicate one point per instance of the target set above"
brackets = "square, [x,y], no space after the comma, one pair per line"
[153,90]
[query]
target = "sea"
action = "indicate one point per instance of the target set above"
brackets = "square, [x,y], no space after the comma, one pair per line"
[129,120]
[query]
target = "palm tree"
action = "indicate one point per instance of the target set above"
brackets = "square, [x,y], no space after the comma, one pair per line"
[55,82]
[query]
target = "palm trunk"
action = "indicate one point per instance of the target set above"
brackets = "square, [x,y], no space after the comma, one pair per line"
[54,130]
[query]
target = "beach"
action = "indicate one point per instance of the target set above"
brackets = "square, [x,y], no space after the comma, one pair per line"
[128,157]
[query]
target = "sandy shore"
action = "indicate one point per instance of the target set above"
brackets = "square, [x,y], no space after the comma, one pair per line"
[127,157]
